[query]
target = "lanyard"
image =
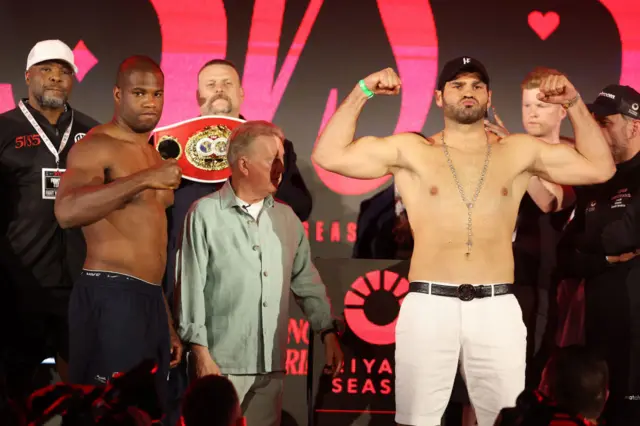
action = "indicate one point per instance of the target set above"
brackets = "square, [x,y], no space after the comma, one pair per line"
[44,136]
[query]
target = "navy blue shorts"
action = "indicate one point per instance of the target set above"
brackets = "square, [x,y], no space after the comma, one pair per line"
[115,322]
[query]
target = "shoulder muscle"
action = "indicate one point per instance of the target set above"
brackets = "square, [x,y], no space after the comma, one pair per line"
[92,149]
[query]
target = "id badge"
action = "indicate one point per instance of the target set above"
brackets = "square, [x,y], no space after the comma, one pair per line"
[50,182]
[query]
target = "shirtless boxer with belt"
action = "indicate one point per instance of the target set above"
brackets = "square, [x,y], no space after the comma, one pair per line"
[117,189]
[461,188]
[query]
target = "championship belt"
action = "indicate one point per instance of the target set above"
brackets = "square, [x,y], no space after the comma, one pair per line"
[199,145]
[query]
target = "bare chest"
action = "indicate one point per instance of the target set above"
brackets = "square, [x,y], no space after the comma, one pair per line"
[452,180]
[130,161]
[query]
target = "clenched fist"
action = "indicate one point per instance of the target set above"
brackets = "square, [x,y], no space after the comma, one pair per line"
[385,82]
[166,175]
[557,89]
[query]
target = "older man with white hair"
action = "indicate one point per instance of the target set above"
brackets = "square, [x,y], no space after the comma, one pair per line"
[241,254]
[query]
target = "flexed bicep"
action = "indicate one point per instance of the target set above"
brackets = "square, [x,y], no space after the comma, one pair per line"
[368,158]
[371,157]
[561,163]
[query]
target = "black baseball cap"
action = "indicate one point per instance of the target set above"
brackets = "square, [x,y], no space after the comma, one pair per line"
[459,65]
[616,99]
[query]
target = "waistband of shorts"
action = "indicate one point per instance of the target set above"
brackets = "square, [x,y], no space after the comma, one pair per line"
[119,280]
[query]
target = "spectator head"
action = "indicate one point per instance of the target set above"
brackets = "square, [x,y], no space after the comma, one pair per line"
[212,401]
[579,381]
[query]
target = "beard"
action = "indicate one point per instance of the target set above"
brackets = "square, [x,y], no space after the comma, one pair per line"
[48,99]
[618,151]
[221,109]
[465,115]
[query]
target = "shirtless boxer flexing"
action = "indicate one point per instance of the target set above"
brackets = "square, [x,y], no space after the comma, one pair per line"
[117,189]
[461,188]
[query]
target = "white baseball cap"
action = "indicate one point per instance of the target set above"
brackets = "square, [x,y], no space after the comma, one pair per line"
[51,50]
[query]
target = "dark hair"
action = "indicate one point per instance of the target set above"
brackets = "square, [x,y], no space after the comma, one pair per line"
[219,62]
[136,63]
[579,380]
[210,401]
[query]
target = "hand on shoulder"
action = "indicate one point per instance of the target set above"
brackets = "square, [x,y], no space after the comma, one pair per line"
[520,138]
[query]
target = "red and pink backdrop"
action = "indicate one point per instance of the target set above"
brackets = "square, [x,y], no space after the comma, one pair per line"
[298,59]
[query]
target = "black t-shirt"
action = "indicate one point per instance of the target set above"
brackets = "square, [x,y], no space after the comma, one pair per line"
[534,248]
[606,223]
[39,259]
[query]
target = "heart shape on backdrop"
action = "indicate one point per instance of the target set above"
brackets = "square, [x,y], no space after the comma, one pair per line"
[544,24]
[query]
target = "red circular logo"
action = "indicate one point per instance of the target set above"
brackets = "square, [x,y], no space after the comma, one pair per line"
[372,304]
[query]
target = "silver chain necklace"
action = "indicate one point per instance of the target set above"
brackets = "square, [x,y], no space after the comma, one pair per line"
[469,204]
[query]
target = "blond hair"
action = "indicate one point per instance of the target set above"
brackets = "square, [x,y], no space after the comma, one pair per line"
[535,77]
[243,136]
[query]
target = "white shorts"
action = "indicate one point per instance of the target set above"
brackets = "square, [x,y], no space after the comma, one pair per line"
[434,334]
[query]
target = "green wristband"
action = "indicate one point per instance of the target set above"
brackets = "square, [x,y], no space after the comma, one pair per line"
[365,89]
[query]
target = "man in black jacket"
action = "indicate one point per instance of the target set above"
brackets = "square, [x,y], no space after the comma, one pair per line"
[39,260]
[606,242]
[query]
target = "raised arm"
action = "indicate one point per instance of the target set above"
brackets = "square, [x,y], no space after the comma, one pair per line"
[591,161]
[368,157]
[84,197]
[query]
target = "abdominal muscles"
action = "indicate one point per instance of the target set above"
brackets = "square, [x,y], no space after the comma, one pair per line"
[131,240]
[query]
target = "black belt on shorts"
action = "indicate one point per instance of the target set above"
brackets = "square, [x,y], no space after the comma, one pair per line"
[463,292]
